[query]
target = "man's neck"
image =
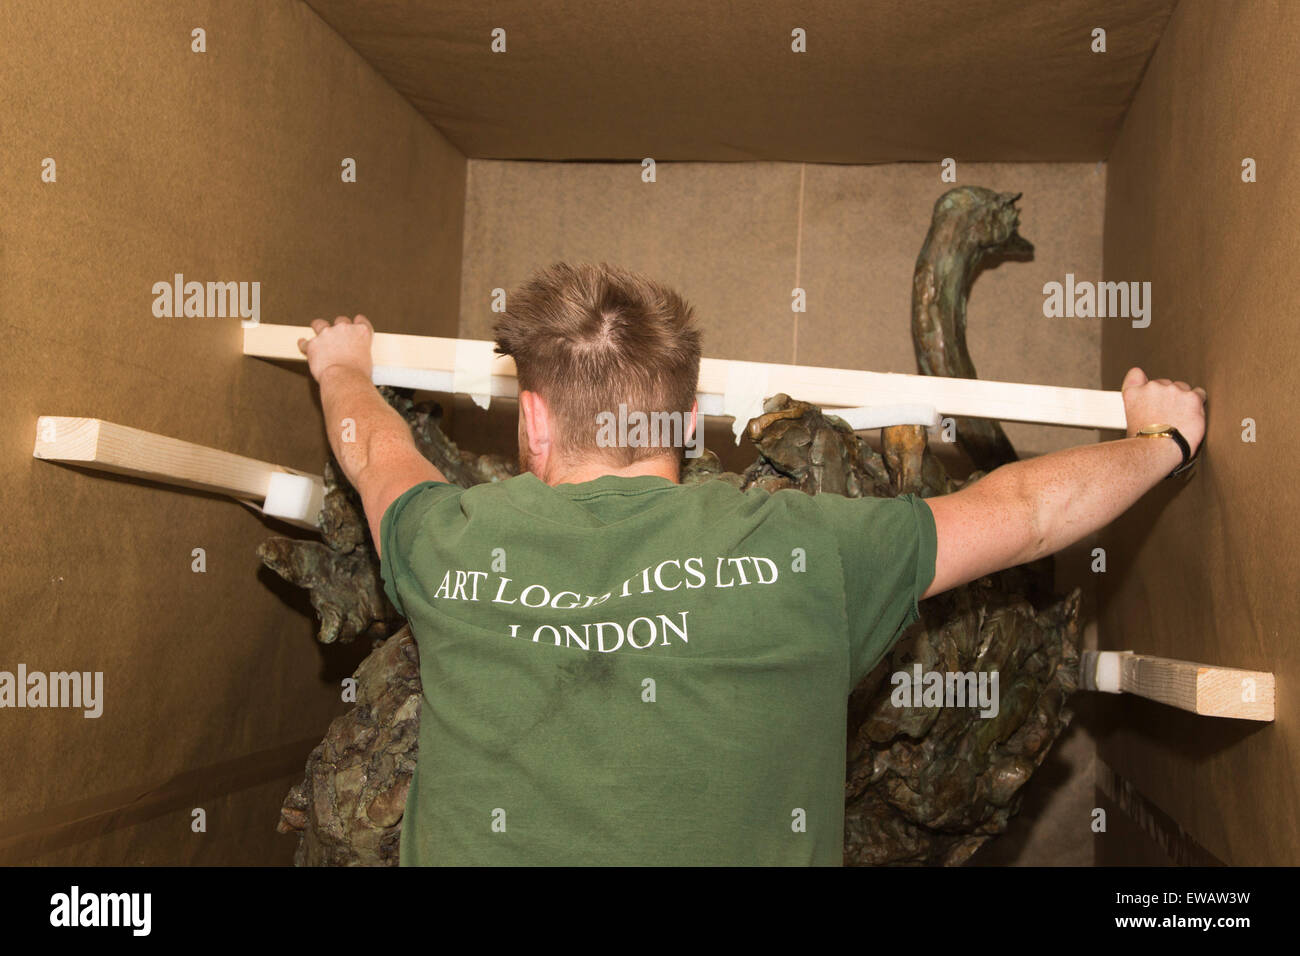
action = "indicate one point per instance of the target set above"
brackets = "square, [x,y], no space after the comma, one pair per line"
[661,466]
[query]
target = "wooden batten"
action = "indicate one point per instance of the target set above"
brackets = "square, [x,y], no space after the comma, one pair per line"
[108,446]
[828,387]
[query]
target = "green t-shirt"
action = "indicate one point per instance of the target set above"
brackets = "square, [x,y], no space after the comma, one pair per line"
[631,671]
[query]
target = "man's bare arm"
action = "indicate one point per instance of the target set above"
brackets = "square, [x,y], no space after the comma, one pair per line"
[1028,509]
[381,461]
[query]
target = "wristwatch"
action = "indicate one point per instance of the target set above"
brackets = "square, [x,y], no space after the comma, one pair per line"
[1169,431]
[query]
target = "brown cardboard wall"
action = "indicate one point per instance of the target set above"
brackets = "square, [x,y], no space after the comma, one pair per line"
[221,165]
[734,239]
[1207,570]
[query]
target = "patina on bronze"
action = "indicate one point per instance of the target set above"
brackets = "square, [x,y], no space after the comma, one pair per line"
[970,228]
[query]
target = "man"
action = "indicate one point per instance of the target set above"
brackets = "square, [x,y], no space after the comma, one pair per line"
[620,669]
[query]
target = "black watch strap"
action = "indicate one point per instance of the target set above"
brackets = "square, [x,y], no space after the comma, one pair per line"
[1188,458]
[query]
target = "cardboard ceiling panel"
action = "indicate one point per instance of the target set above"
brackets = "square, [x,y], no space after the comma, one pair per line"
[978,80]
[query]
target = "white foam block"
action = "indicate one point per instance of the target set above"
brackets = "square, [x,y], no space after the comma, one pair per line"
[882,416]
[473,375]
[1108,671]
[709,404]
[746,389]
[293,497]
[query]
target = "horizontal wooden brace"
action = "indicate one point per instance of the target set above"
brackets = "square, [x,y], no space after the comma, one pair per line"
[1200,688]
[429,362]
[107,446]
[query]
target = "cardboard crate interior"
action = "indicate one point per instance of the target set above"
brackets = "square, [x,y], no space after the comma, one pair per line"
[774,169]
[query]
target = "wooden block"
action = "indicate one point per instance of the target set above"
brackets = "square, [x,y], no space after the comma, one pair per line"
[827,387]
[107,446]
[1200,688]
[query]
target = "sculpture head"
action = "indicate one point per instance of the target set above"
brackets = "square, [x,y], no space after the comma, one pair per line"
[607,361]
[987,218]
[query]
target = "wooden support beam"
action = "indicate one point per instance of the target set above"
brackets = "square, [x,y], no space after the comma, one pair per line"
[1200,688]
[107,446]
[429,362]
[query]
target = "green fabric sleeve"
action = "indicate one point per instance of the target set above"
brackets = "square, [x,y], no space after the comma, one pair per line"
[398,530]
[887,552]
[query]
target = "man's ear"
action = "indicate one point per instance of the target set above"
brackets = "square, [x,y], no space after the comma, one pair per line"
[536,421]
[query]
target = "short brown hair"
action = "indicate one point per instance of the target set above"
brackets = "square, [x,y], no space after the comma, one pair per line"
[589,337]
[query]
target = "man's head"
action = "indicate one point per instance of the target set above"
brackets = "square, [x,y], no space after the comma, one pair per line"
[587,339]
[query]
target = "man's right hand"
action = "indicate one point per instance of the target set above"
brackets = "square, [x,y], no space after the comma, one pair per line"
[346,343]
[1027,509]
[1162,402]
